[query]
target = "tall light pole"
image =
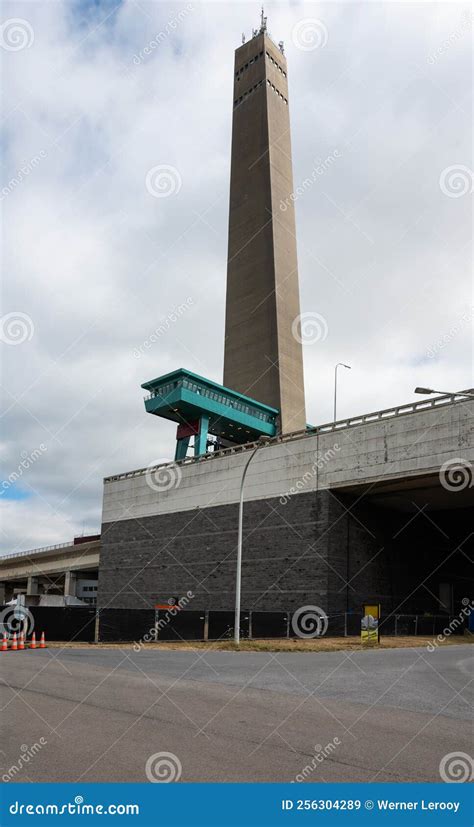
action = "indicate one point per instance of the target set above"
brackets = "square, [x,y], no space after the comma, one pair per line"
[339,365]
[238,580]
[428,391]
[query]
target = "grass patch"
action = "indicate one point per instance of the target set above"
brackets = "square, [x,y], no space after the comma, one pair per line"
[324,644]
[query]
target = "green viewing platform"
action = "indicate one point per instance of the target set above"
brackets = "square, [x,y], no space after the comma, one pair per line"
[201,407]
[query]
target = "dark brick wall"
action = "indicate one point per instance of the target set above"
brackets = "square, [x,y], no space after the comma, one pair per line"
[293,554]
[317,549]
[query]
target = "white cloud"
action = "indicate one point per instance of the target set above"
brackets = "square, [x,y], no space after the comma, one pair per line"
[97,262]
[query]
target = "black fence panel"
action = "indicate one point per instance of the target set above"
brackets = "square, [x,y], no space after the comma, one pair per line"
[337,625]
[221,625]
[353,624]
[126,624]
[64,623]
[450,625]
[424,626]
[269,624]
[73,623]
[310,625]
[181,625]
[386,625]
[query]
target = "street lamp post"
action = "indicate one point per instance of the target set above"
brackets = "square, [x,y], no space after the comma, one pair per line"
[339,365]
[428,391]
[238,581]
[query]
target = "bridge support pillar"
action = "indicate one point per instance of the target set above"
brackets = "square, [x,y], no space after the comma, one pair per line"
[70,584]
[32,585]
[3,593]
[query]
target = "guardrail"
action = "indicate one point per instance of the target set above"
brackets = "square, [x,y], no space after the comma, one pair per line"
[339,425]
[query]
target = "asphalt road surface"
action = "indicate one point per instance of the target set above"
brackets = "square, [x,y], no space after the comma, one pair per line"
[99,714]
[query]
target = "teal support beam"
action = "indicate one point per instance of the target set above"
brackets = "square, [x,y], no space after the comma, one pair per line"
[200,440]
[181,448]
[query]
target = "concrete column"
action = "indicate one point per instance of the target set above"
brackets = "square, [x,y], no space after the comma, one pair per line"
[32,585]
[3,593]
[70,584]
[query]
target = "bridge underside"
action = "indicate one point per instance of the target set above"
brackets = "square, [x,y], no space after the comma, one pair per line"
[424,491]
[423,542]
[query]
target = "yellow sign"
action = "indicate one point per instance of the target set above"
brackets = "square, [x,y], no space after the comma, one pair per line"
[369,627]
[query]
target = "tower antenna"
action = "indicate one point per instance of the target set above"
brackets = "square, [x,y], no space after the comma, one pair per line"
[263,21]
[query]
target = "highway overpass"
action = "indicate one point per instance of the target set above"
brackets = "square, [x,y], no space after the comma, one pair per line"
[67,569]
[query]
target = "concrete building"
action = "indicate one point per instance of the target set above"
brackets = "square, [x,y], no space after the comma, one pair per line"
[363,509]
[262,357]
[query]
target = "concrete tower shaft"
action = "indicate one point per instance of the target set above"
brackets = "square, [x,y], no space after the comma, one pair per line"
[262,358]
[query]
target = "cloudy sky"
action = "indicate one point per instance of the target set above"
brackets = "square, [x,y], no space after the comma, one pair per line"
[95,94]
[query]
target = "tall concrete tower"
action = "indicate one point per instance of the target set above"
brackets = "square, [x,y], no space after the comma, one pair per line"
[262,357]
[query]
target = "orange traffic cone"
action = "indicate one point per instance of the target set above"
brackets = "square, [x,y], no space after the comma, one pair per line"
[4,643]
[42,641]
[21,644]
[14,645]
[33,641]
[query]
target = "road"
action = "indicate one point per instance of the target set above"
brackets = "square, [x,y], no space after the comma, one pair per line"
[99,714]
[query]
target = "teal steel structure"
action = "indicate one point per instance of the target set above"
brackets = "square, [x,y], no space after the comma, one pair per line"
[201,407]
